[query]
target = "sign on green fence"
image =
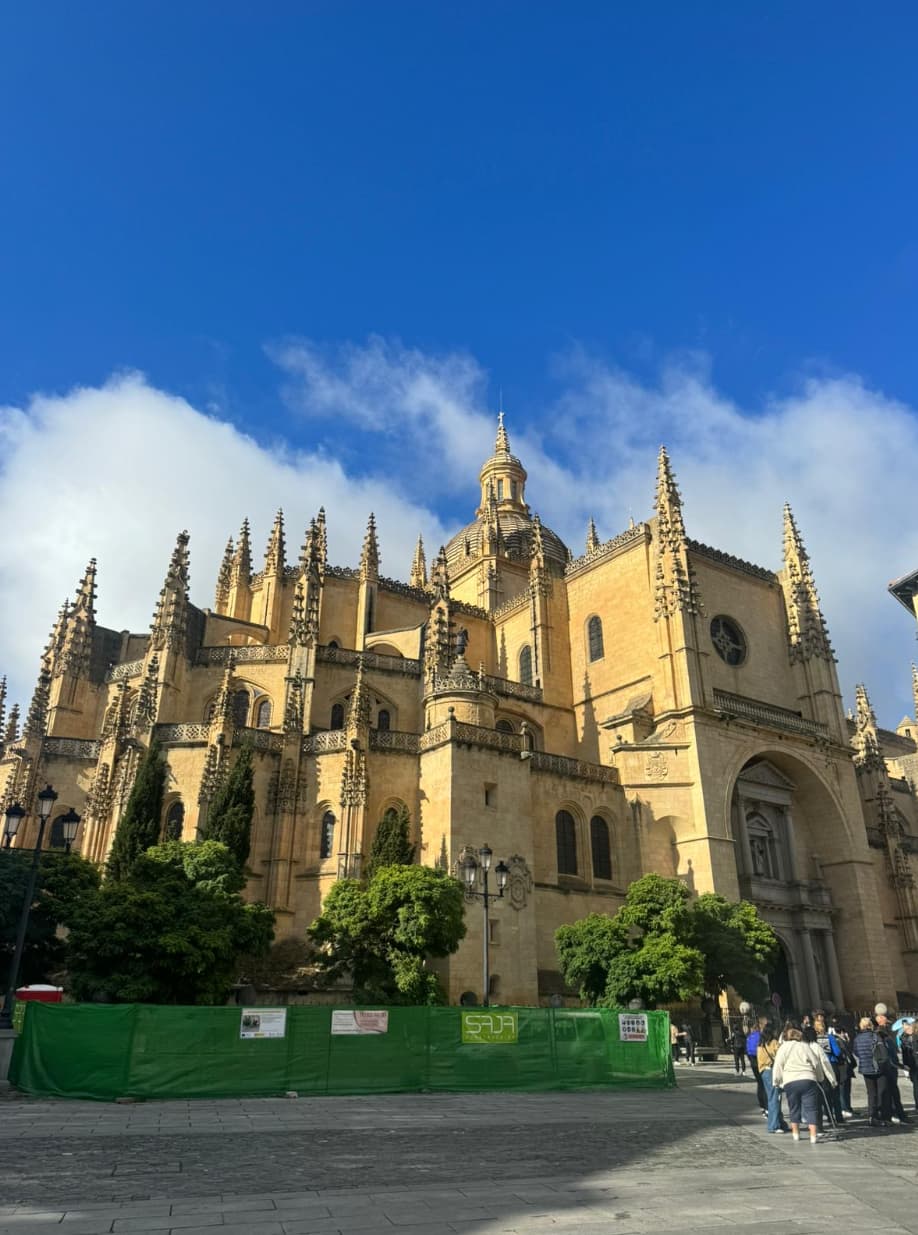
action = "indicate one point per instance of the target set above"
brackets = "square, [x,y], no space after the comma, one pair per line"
[489,1027]
[19,1011]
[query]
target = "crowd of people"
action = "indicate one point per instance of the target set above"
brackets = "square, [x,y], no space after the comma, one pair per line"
[809,1066]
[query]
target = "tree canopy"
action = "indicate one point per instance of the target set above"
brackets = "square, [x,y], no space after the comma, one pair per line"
[171,932]
[391,846]
[381,933]
[662,946]
[65,881]
[141,824]
[229,816]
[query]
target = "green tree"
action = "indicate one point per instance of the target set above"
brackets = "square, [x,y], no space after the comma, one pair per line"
[172,932]
[737,945]
[382,933]
[229,817]
[141,824]
[65,880]
[391,846]
[661,946]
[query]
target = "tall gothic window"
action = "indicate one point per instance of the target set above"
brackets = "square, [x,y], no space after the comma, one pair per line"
[601,849]
[175,821]
[566,837]
[594,638]
[526,665]
[327,838]
[240,708]
[337,716]
[57,833]
[263,716]
[383,719]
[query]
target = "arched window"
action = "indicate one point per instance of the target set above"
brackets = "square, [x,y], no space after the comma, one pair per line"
[57,834]
[175,821]
[337,716]
[504,726]
[263,715]
[327,839]
[239,708]
[526,665]
[599,844]
[566,837]
[382,720]
[333,643]
[594,638]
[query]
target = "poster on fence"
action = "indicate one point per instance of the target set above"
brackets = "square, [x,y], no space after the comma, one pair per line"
[632,1027]
[489,1027]
[360,1022]
[263,1023]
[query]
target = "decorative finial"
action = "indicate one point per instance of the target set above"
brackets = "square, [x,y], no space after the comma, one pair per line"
[502,444]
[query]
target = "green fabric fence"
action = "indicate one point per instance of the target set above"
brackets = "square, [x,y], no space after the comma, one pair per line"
[150,1051]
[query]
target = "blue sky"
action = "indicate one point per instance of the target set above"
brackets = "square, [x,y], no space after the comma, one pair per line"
[694,222]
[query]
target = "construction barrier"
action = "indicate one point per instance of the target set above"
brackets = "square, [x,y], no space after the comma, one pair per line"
[152,1051]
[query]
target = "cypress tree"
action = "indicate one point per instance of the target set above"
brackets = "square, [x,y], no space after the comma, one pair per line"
[229,819]
[391,846]
[141,823]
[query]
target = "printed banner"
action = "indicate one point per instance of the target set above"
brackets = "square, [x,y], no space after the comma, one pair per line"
[263,1023]
[360,1022]
[489,1027]
[632,1026]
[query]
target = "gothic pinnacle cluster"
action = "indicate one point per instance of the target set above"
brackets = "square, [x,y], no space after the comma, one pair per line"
[808,635]
[676,590]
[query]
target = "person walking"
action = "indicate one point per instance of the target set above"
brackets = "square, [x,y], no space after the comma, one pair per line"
[688,1043]
[799,1068]
[752,1051]
[870,1053]
[890,1069]
[738,1047]
[908,1044]
[674,1040]
[765,1058]
[830,1092]
[843,1063]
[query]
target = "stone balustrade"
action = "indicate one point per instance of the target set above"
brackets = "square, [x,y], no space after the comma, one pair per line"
[768,715]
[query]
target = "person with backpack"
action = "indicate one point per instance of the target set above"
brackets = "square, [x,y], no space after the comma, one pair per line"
[752,1052]
[830,1092]
[870,1052]
[843,1063]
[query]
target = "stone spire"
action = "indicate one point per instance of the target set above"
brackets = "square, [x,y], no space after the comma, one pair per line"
[169,627]
[76,643]
[439,575]
[807,633]
[369,555]
[241,570]
[148,696]
[592,540]
[51,656]
[224,578]
[12,726]
[419,566]
[868,756]
[676,590]
[502,444]
[321,542]
[37,719]
[358,712]
[276,553]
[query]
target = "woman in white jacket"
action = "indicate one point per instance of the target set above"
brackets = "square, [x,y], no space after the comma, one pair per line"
[799,1068]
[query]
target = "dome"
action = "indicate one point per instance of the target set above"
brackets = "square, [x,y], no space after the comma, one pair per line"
[516,541]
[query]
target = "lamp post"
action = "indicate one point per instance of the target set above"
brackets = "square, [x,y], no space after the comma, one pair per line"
[472,871]
[14,816]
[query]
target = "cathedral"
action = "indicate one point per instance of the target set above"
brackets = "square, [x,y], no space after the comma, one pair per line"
[650,704]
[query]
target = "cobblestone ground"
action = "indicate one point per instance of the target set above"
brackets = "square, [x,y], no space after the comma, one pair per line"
[680,1161]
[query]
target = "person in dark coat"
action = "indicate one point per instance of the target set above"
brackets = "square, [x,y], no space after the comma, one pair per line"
[738,1046]
[908,1045]
[891,1069]
[870,1053]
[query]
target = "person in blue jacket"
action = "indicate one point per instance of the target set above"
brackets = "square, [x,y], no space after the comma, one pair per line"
[752,1051]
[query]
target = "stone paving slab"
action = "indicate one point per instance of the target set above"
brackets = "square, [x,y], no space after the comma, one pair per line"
[635,1163]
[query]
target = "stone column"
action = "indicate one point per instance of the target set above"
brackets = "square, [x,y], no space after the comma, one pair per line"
[838,994]
[809,965]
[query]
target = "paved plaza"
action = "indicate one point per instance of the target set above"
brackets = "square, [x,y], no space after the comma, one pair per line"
[687,1160]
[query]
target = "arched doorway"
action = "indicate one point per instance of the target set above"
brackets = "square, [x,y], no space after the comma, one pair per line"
[779,983]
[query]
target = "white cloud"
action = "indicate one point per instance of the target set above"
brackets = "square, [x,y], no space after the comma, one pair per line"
[117,471]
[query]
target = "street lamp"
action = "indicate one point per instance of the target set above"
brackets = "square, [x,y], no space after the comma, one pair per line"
[46,800]
[14,816]
[70,824]
[471,871]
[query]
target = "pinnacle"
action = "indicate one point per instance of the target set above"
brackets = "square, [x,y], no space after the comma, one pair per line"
[275,554]
[502,444]
[592,540]
[369,555]
[419,566]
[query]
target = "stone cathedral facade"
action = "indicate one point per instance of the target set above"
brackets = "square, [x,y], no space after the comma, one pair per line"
[653,704]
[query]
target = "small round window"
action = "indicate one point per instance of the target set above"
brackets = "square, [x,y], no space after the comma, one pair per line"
[729,641]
